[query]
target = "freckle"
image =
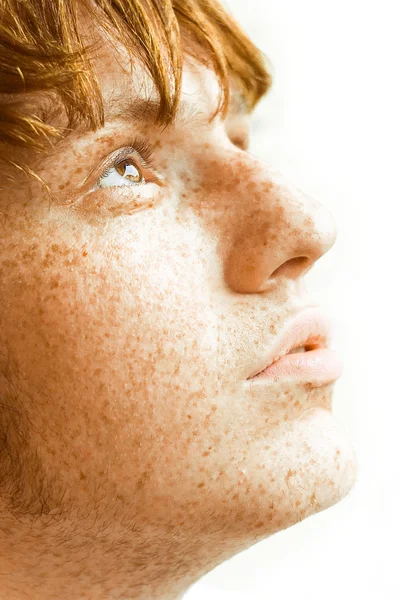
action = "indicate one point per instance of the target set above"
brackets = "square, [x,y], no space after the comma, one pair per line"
[10,263]
[206,453]
[290,473]
[84,253]
[267,447]
[298,503]
[259,524]
[200,485]
[235,496]
[107,139]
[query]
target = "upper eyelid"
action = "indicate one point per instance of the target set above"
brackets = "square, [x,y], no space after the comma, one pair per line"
[121,154]
[138,146]
[141,149]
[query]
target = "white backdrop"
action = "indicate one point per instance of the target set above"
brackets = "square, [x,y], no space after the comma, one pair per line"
[334,124]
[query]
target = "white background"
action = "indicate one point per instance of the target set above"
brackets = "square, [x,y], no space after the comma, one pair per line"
[333,123]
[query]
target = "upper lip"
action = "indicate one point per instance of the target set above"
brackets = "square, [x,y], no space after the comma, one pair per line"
[310,327]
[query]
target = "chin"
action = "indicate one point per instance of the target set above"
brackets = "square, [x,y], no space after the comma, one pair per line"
[328,467]
[311,467]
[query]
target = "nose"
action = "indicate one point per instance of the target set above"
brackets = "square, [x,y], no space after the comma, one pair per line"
[278,231]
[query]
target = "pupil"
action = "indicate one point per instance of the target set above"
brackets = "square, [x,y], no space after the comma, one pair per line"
[129,171]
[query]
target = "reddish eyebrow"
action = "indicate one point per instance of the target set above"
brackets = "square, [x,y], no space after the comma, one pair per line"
[142,111]
[145,111]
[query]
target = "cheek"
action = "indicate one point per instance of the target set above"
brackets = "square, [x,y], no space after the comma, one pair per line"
[111,338]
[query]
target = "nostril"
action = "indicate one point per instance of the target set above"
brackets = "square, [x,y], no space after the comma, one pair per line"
[293,268]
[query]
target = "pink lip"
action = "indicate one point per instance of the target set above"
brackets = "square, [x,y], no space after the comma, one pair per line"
[318,365]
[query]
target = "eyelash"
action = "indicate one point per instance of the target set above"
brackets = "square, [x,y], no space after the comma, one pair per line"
[144,150]
[141,147]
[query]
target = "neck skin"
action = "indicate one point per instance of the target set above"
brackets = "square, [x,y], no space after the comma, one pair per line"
[51,560]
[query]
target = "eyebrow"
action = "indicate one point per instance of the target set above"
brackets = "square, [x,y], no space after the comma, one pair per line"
[145,111]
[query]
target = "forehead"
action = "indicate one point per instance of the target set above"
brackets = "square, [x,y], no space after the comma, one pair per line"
[126,84]
[129,95]
[133,93]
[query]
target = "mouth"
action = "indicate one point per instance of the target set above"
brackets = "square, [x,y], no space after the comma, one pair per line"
[301,352]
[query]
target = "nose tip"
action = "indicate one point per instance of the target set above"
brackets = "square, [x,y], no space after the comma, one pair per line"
[313,233]
[323,232]
[284,233]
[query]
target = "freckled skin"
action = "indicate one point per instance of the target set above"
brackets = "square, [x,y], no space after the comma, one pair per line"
[148,459]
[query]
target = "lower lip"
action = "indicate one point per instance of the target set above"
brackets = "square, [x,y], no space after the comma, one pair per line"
[318,367]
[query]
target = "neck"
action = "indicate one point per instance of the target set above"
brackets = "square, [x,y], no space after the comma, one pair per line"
[66,560]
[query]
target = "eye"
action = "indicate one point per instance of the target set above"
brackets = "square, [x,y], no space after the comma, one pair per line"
[122,173]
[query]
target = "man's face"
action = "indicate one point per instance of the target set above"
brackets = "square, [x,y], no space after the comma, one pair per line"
[137,304]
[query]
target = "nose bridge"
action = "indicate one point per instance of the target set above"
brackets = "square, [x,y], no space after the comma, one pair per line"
[275,229]
[251,191]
